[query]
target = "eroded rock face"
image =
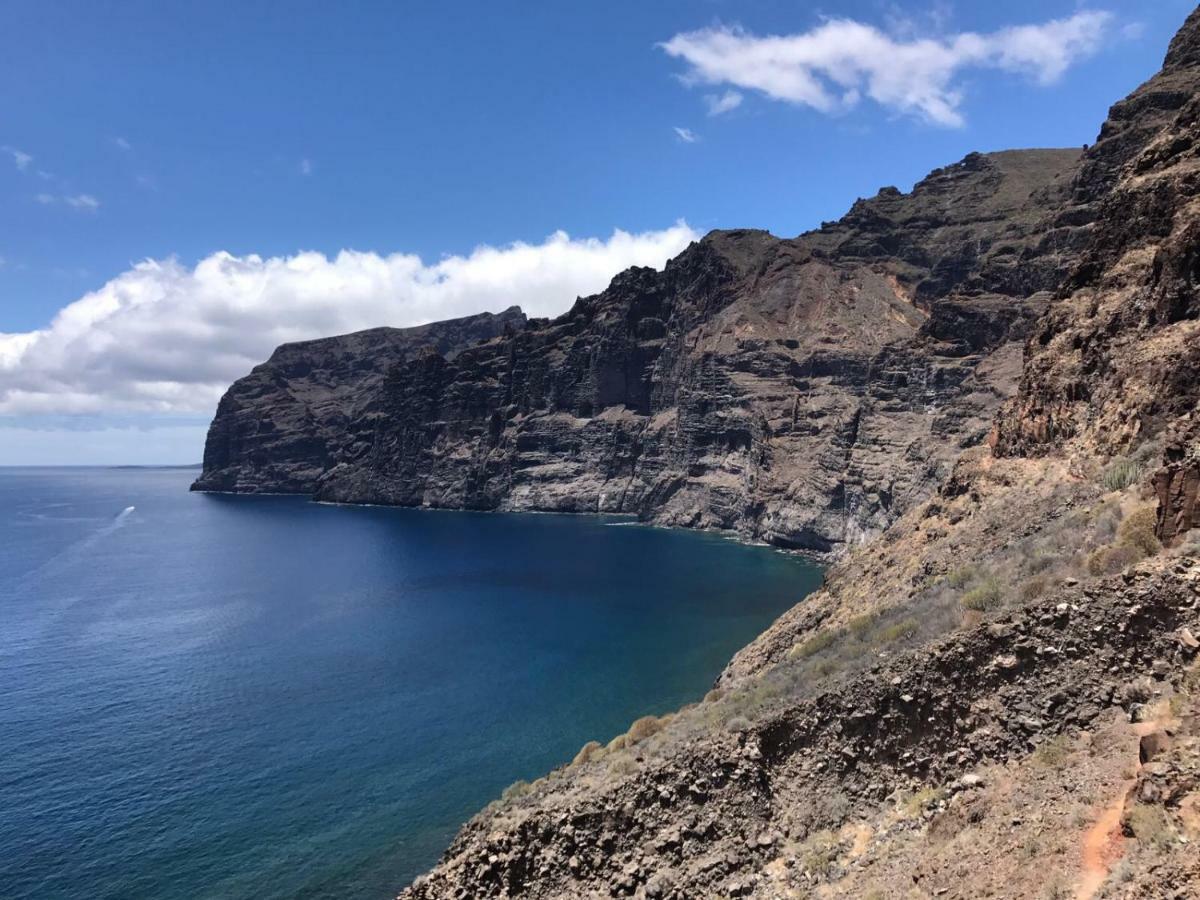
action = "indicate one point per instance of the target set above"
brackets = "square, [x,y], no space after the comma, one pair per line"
[1117,358]
[282,426]
[803,391]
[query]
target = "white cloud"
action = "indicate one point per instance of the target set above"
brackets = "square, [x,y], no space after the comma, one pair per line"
[686,135]
[831,67]
[122,144]
[306,166]
[45,199]
[722,103]
[85,202]
[21,158]
[162,338]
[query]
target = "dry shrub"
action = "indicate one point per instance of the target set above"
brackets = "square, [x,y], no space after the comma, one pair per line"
[1151,825]
[984,596]
[1137,531]
[515,790]
[620,742]
[588,752]
[642,729]
[902,630]
[1033,588]
[813,645]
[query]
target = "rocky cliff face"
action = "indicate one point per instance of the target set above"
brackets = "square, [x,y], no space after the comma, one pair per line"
[802,391]
[999,696]
[1117,359]
[286,423]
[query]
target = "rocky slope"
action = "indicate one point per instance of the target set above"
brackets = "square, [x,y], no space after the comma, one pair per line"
[803,391]
[1000,695]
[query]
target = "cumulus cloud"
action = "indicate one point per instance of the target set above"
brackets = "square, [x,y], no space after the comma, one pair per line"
[162,338]
[21,158]
[722,103]
[831,67]
[686,135]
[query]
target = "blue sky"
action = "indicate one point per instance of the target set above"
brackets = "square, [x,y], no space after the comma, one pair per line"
[171,132]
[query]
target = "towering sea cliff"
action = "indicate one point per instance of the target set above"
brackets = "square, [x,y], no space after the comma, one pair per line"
[802,391]
[1000,695]
[992,385]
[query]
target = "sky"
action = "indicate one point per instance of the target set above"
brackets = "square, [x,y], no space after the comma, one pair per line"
[183,186]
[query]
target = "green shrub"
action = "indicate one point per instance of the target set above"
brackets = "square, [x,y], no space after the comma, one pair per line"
[1120,474]
[820,852]
[899,631]
[860,626]
[984,596]
[813,645]
[960,578]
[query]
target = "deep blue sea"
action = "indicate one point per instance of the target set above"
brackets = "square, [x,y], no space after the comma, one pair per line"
[252,697]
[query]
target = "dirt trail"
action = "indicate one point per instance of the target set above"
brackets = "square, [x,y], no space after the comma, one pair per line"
[1104,843]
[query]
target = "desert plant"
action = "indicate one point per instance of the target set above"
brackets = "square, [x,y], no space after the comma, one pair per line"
[897,631]
[813,645]
[860,626]
[1054,753]
[961,577]
[587,753]
[984,596]
[1151,825]
[642,729]
[1138,531]
[1120,474]
[620,742]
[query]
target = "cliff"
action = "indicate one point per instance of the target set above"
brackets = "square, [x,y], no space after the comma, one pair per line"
[1000,694]
[286,423]
[806,392]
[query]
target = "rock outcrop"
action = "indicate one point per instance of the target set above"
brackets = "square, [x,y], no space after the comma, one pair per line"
[286,423]
[804,391]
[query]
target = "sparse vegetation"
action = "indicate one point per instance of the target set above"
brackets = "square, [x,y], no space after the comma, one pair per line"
[820,852]
[1054,753]
[814,644]
[1151,825]
[1138,531]
[642,729]
[961,577]
[984,596]
[587,753]
[902,630]
[515,790]
[1120,474]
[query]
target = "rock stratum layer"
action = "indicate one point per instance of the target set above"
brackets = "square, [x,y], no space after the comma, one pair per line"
[803,391]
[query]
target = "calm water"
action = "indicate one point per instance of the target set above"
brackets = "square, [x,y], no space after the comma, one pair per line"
[206,696]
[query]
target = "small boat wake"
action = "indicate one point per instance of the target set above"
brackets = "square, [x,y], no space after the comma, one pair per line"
[68,554]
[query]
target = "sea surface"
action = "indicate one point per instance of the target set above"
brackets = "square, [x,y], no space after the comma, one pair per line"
[206,696]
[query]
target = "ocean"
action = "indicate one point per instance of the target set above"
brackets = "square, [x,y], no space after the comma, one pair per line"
[206,696]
